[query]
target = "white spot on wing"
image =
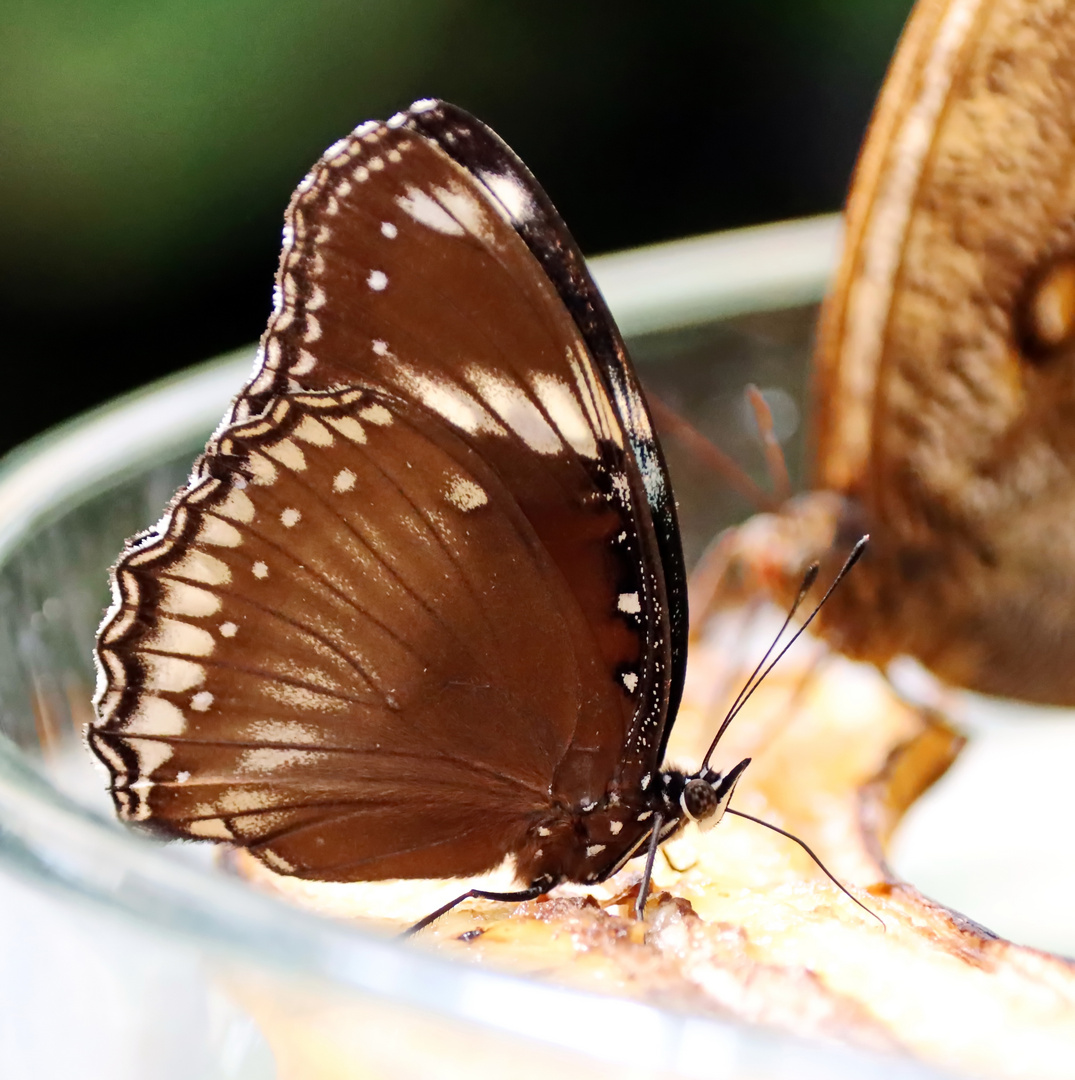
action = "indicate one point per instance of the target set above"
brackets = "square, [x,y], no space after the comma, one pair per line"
[629,603]
[261,571]
[377,280]
[511,403]
[290,517]
[304,698]
[380,348]
[210,829]
[288,453]
[344,480]
[471,212]
[376,414]
[200,566]
[269,759]
[389,230]
[614,827]
[173,636]
[566,413]
[228,629]
[155,716]
[348,427]
[630,680]
[219,533]
[511,193]
[170,673]
[283,731]
[262,470]
[465,494]
[179,598]
[594,849]
[201,701]
[449,400]
[237,506]
[277,862]
[424,209]
[313,431]
[151,753]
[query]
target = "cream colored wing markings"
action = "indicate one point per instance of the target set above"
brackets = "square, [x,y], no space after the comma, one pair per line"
[572,403]
[177,661]
[516,380]
[552,406]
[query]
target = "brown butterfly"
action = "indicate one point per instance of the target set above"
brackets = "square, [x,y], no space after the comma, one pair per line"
[944,381]
[421,607]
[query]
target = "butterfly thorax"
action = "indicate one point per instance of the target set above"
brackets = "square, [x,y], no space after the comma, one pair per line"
[587,844]
[591,843]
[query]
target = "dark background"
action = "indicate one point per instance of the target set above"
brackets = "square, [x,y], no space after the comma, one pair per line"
[148,147]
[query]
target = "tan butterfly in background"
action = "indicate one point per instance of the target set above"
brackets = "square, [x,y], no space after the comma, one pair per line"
[944,382]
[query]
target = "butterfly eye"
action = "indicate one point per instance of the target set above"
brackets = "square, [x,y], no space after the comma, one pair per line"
[1046,316]
[699,802]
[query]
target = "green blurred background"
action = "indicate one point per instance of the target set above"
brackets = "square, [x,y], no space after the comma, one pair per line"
[147,149]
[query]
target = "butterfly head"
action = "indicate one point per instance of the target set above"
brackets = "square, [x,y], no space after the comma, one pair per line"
[705,797]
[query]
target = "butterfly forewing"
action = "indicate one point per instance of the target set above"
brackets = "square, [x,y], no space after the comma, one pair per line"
[413,601]
[414,269]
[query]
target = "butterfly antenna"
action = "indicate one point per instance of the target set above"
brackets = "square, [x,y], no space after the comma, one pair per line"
[671,423]
[756,679]
[774,454]
[809,851]
[807,584]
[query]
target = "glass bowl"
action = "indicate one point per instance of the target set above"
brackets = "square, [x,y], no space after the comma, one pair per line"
[124,957]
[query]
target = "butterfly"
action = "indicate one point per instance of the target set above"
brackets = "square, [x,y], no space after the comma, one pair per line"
[421,608]
[942,373]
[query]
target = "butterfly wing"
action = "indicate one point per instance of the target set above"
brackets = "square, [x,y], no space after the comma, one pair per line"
[494,311]
[414,596]
[937,414]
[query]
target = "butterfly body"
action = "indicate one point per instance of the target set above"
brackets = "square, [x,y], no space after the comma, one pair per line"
[421,609]
[945,365]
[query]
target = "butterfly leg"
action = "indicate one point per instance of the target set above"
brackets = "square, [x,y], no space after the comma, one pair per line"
[539,888]
[647,873]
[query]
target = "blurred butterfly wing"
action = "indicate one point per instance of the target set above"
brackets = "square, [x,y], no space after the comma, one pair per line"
[421,256]
[931,413]
[854,317]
